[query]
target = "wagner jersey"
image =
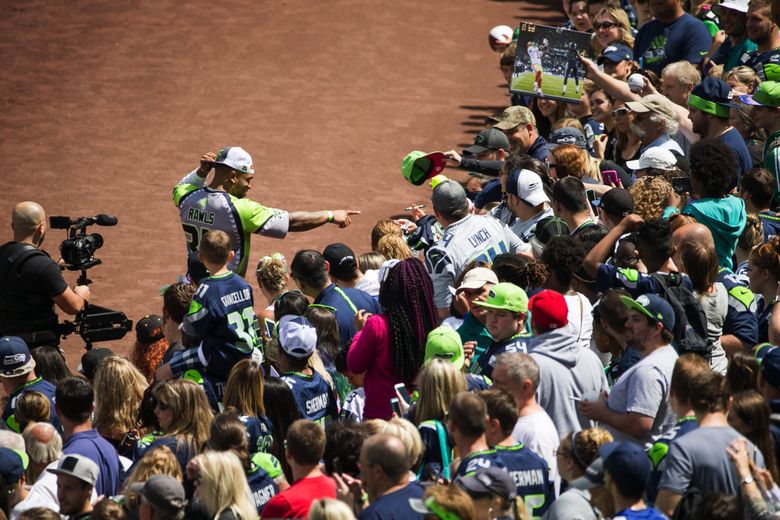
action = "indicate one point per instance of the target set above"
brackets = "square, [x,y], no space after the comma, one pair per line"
[263,471]
[315,399]
[478,238]
[202,209]
[222,318]
[530,474]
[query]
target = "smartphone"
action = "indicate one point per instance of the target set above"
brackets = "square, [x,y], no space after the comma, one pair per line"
[402,393]
[270,327]
[681,185]
[591,195]
[610,177]
[395,404]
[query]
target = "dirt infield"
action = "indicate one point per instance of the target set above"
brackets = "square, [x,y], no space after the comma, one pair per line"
[106,105]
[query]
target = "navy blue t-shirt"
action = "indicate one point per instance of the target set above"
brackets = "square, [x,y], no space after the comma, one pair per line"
[530,473]
[260,477]
[733,140]
[345,302]
[395,505]
[91,445]
[770,222]
[658,44]
[741,318]
[315,399]
[260,431]
[436,458]
[181,450]
[489,458]
[618,365]
[36,385]
[486,361]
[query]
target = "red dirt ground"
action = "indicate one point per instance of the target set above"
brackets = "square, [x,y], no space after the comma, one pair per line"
[104,106]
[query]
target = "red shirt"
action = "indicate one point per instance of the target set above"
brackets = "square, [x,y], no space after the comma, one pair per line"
[295,501]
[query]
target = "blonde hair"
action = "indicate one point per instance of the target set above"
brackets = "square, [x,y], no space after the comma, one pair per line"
[159,460]
[374,426]
[223,485]
[393,247]
[623,26]
[382,228]
[119,389]
[454,500]
[330,509]
[371,260]
[244,388]
[272,272]
[584,448]
[192,415]
[439,382]
[409,435]
[745,75]
[32,407]
[650,196]
[752,236]
[767,256]
[568,122]
[316,364]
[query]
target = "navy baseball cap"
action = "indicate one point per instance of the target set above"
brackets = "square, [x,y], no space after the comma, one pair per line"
[654,307]
[712,96]
[567,135]
[617,202]
[768,358]
[616,53]
[491,192]
[12,464]
[593,477]
[15,358]
[488,140]
[625,461]
[490,480]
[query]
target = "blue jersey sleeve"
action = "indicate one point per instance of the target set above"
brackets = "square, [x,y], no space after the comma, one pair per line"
[741,315]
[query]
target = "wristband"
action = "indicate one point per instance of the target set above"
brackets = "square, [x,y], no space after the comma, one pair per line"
[330,215]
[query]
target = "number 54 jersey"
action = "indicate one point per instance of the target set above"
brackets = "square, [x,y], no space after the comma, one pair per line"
[222,318]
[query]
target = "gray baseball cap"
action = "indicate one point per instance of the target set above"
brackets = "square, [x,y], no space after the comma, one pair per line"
[449,196]
[163,492]
[77,466]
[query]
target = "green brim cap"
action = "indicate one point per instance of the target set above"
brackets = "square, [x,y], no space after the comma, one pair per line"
[417,166]
[633,304]
[444,343]
[506,296]
[767,95]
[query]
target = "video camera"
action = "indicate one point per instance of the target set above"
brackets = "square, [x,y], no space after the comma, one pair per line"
[94,323]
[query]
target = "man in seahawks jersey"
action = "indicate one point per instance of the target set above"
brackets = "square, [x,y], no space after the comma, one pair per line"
[222,205]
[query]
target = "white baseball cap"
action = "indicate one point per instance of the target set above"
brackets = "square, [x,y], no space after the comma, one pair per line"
[476,278]
[736,5]
[235,157]
[527,186]
[77,466]
[501,32]
[658,158]
[297,337]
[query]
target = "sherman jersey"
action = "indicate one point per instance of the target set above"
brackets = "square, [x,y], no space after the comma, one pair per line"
[315,399]
[478,238]
[222,317]
[530,474]
[202,209]
[479,460]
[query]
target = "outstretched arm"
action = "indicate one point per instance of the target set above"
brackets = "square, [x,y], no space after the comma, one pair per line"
[306,220]
[601,251]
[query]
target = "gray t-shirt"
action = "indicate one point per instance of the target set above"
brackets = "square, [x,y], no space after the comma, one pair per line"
[699,459]
[573,504]
[715,306]
[644,389]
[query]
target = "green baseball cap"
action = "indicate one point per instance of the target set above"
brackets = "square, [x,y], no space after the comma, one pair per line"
[417,166]
[506,296]
[767,95]
[444,342]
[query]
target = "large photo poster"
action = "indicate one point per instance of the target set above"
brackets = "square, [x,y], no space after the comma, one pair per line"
[547,63]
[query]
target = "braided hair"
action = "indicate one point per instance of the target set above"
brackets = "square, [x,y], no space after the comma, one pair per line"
[407,300]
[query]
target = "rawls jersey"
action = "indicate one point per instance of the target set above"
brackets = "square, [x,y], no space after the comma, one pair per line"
[315,399]
[478,238]
[530,474]
[222,318]
[202,209]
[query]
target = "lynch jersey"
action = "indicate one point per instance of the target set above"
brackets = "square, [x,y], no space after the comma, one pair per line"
[530,474]
[202,209]
[222,318]
[315,399]
[478,238]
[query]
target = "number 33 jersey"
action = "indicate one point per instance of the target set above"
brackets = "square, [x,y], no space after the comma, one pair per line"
[222,318]
[202,209]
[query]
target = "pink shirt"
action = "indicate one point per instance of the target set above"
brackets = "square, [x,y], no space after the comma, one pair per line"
[370,352]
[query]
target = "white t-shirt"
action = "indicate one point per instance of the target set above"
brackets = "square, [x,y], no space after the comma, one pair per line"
[539,434]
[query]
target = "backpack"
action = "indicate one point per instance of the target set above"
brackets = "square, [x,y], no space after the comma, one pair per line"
[690,322]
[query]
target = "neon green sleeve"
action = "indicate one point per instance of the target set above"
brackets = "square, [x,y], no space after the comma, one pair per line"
[191,182]
[269,463]
[253,214]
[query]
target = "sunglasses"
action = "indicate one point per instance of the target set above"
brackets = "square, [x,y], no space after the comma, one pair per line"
[620,112]
[603,25]
[163,406]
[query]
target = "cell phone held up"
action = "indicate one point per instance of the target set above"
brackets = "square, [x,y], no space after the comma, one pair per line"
[395,405]
[682,185]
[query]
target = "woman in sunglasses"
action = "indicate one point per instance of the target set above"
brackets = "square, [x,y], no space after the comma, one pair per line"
[611,25]
[627,143]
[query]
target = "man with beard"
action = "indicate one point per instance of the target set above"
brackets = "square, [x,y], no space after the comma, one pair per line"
[766,109]
[764,32]
[709,106]
[223,205]
[733,17]
[655,121]
[637,407]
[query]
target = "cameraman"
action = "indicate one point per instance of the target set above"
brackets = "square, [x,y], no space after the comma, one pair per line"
[30,282]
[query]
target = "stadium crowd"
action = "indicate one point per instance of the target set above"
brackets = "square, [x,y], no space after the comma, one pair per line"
[583,329]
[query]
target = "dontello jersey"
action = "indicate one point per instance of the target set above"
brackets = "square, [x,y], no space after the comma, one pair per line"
[203,209]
